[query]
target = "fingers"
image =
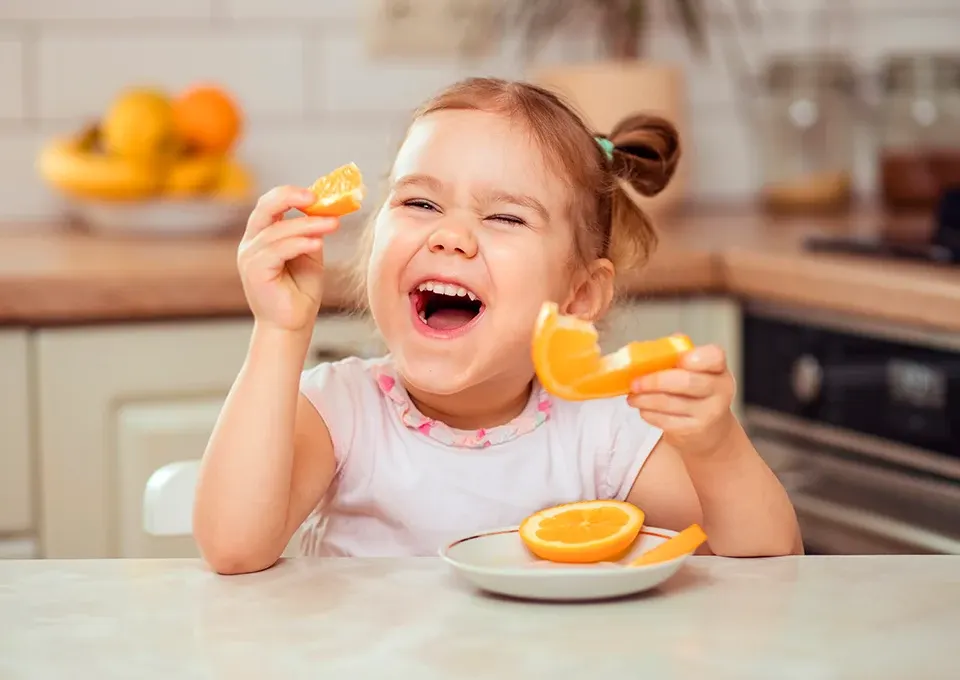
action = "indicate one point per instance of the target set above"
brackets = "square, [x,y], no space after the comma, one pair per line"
[679,382]
[299,226]
[273,204]
[272,257]
[272,248]
[705,359]
[666,404]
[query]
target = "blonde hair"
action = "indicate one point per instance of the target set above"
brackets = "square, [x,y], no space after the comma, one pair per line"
[645,152]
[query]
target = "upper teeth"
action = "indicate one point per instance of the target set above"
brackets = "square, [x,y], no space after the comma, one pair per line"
[441,288]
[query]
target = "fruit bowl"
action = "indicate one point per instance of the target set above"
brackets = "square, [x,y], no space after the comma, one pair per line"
[155,164]
[161,217]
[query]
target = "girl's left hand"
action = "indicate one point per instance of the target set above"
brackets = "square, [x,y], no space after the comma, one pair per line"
[690,403]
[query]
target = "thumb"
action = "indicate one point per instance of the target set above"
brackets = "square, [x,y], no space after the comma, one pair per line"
[705,359]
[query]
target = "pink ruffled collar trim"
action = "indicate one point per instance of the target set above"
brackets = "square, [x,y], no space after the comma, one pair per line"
[534,414]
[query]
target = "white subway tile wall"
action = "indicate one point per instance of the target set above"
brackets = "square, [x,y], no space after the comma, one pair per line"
[81,69]
[314,98]
[11,78]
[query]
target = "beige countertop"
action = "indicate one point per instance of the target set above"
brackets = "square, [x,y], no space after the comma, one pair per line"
[722,619]
[59,276]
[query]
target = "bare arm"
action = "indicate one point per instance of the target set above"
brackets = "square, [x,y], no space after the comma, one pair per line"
[268,463]
[270,457]
[664,492]
[705,456]
[732,493]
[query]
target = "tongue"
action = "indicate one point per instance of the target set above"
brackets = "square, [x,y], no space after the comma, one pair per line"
[449,319]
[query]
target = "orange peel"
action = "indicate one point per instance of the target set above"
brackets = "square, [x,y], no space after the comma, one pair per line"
[339,192]
[684,543]
[582,532]
[569,363]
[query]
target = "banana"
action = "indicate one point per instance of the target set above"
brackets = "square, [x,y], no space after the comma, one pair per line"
[192,175]
[76,166]
[235,182]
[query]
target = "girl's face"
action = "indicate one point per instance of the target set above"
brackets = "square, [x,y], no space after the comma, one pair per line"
[472,239]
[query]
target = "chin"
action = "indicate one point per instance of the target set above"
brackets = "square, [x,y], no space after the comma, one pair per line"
[441,375]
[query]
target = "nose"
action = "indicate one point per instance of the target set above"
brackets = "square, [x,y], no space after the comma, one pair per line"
[453,240]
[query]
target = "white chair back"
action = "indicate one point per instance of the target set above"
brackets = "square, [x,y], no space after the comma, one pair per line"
[168,499]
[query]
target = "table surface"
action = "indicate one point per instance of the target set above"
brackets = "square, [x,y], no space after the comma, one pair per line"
[807,617]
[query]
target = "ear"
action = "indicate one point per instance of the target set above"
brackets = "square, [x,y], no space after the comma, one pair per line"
[591,291]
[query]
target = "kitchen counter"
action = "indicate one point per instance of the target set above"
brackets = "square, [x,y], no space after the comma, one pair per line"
[49,277]
[807,617]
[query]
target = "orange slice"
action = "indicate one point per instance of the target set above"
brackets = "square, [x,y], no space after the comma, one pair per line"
[569,363]
[339,193]
[683,543]
[582,532]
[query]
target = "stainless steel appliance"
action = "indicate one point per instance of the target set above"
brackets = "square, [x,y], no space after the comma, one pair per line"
[861,422]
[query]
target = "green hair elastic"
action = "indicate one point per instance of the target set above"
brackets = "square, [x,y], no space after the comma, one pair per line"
[607,146]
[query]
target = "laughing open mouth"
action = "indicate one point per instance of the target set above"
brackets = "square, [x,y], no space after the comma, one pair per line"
[445,306]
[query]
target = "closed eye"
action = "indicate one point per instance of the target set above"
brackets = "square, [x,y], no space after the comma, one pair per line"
[509,219]
[420,204]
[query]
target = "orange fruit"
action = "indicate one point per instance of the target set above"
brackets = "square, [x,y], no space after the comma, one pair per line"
[582,532]
[207,118]
[139,126]
[683,543]
[570,366]
[339,192]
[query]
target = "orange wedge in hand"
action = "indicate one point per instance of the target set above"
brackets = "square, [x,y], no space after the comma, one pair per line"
[570,366]
[683,543]
[339,193]
[583,532]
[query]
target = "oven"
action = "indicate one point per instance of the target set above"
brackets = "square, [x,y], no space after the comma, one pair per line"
[861,423]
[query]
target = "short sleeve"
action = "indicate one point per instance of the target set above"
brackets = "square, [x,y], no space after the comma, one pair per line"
[335,390]
[622,451]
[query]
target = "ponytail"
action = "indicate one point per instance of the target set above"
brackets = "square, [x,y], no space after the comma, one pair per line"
[644,155]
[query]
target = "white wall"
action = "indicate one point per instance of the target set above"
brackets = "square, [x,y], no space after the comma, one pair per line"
[315,100]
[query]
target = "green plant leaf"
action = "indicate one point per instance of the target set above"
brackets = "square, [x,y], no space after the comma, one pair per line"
[691,16]
[620,24]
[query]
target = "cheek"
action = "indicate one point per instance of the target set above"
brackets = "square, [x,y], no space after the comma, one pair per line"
[383,263]
[390,247]
[528,272]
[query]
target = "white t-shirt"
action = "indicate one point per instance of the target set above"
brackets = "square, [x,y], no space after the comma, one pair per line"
[407,485]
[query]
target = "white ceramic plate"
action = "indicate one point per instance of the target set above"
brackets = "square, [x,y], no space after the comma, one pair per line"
[497,561]
[199,217]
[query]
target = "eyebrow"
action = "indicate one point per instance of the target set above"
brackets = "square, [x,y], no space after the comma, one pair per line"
[523,200]
[418,180]
[491,195]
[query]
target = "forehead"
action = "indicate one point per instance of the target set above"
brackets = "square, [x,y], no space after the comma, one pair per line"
[479,148]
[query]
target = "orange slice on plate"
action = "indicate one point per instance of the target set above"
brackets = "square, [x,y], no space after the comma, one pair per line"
[582,532]
[339,192]
[683,543]
[569,363]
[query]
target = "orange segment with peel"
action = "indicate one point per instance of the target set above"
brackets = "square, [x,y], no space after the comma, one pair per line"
[570,365]
[684,543]
[339,192]
[582,532]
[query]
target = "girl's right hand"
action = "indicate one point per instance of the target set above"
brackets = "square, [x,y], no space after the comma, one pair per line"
[281,261]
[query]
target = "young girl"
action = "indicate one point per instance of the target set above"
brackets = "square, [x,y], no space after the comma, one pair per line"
[500,198]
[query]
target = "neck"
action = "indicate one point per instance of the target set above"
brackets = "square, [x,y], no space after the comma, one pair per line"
[482,406]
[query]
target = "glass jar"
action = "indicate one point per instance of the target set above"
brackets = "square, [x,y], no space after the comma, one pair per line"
[919,130]
[806,123]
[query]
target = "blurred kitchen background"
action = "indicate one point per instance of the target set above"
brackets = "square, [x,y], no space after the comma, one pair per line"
[811,231]
[320,82]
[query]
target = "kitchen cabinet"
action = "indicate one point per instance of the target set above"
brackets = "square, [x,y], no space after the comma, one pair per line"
[117,402]
[17,517]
